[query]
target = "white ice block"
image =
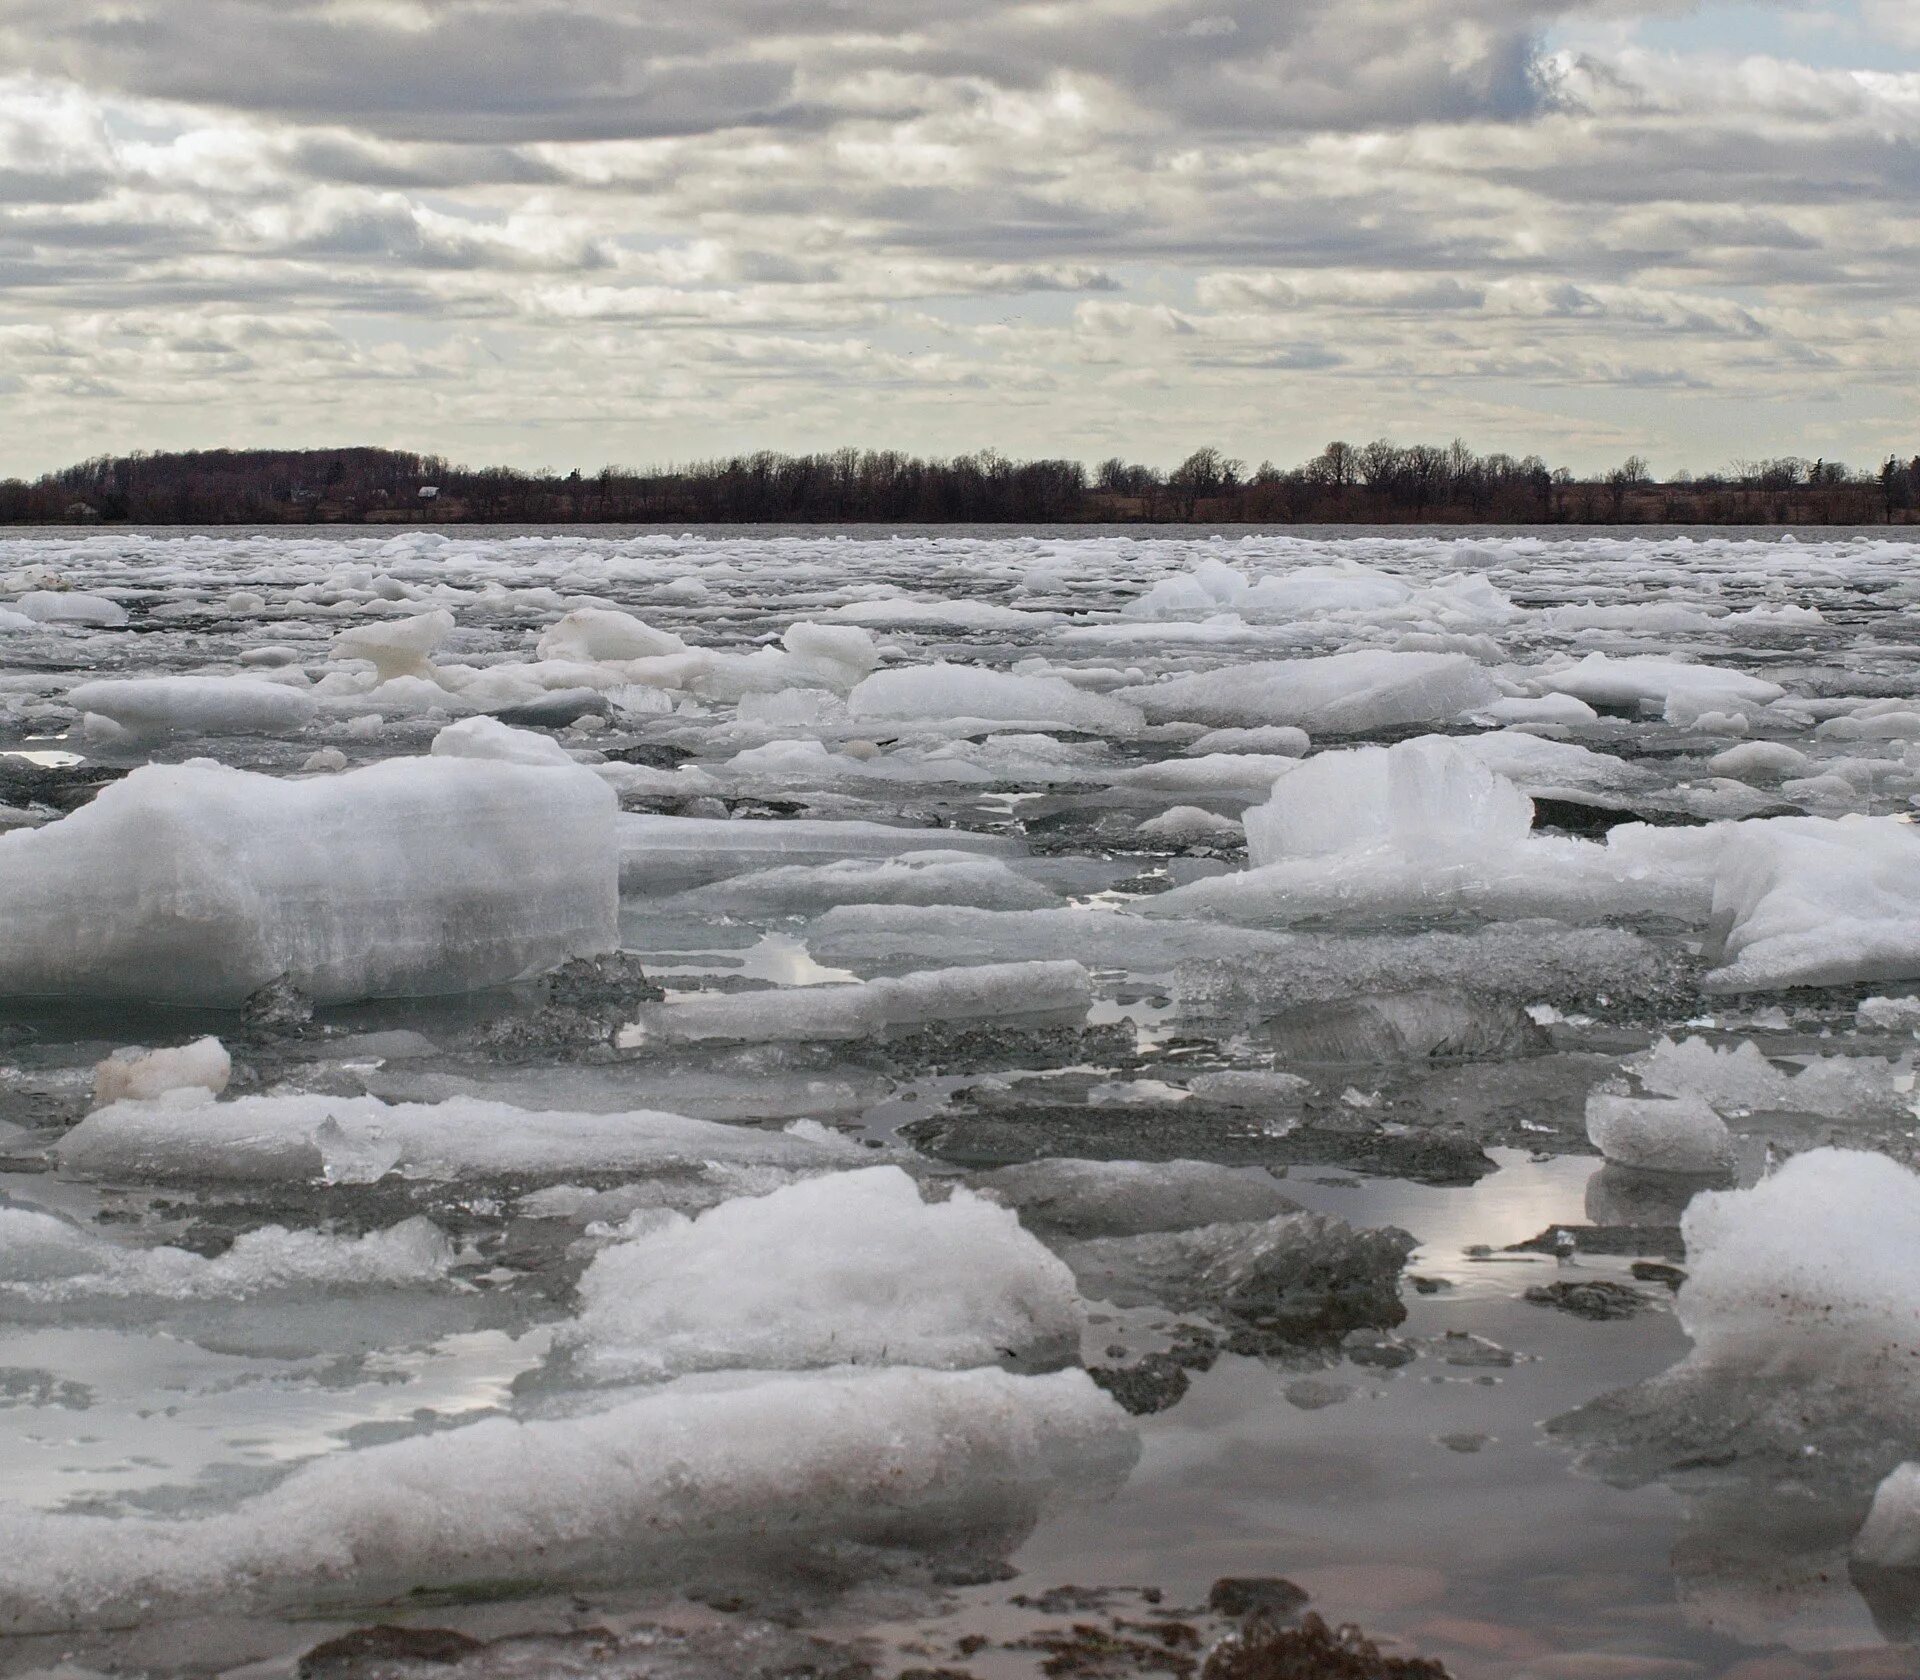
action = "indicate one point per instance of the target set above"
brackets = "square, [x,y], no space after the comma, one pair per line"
[198,884]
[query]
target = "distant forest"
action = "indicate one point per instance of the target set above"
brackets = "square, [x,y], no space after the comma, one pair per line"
[1375,483]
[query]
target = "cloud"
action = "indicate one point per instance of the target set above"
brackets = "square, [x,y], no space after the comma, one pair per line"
[1077,224]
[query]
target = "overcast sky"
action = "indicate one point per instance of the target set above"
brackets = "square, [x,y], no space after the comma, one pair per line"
[574,232]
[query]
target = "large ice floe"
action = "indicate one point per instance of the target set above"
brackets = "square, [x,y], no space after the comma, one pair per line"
[198,883]
[586,1079]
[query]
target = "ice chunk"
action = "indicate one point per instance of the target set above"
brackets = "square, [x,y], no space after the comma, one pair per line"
[1211,773]
[1425,826]
[1002,991]
[70,606]
[595,635]
[148,708]
[1130,1198]
[195,883]
[1602,679]
[1890,1014]
[1344,693]
[1890,1537]
[669,854]
[268,1139]
[489,738]
[1302,1269]
[1249,1088]
[1739,1076]
[397,647]
[1759,761]
[698,1475]
[1277,738]
[1187,825]
[986,991]
[776,1015]
[946,692]
[1425,795]
[46,1261]
[848,1269]
[142,1074]
[1813,901]
[1659,1134]
[838,654]
[930,877]
[1452,1025]
[1822,1249]
[1524,711]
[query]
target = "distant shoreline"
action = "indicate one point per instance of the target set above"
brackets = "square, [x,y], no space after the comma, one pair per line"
[1379,485]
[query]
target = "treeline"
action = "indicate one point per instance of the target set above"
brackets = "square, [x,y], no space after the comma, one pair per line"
[1375,483]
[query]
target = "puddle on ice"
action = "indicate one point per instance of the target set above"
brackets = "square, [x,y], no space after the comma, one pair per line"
[1003,971]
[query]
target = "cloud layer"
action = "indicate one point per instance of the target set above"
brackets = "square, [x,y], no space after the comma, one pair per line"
[575,231]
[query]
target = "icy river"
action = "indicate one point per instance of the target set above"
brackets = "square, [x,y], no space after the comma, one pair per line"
[880,1104]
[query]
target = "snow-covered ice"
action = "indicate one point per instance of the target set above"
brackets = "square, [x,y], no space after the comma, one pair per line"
[539,1061]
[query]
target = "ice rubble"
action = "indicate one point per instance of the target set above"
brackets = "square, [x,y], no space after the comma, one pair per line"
[194,883]
[143,1074]
[1740,1077]
[849,1269]
[1342,694]
[297,1138]
[866,1009]
[699,1474]
[49,1261]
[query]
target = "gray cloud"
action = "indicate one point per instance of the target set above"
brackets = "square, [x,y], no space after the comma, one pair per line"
[632,227]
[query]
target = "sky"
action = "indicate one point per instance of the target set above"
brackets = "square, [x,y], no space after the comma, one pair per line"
[559,233]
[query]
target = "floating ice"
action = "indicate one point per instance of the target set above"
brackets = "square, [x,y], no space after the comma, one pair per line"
[696,1475]
[1002,991]
[1304,1268]
[1890,1537]
[930,877]
[1342,694]
[271,1139]
[669,854]
[1818,902]
[47,1261]
[195,883]
[1740,1076]
[148,708]
[1130,1198]
[1659,1134]
[593,635]
[946,692]
[396,647]
[848,1269]
[143,1074]
[489,738]
[1603,680]
[60,606]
